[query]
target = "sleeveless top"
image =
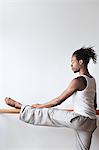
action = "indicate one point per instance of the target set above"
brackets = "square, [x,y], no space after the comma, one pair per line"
[84,100]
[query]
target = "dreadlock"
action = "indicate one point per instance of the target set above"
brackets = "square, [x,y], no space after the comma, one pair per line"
[86,54]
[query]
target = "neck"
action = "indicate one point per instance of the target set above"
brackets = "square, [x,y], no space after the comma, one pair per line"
[84,71]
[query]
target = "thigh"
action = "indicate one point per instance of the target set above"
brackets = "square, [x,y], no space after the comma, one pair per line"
[63,117]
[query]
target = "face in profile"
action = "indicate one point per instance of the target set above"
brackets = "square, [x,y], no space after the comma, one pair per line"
[75,66]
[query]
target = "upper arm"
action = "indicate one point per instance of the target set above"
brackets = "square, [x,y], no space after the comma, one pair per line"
[73,87]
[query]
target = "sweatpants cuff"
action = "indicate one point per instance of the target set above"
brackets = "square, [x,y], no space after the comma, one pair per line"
[23,108]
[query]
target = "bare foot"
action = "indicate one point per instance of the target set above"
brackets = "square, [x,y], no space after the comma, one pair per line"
[13,103]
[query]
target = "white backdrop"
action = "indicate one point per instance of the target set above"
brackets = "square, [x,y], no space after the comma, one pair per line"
[37,39]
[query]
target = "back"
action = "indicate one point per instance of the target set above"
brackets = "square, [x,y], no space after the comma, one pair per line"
[84,100]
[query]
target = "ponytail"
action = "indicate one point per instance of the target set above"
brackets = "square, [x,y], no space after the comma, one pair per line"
[86,54]
[91,54]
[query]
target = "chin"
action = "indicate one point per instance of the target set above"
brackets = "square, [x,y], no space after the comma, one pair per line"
[75,71]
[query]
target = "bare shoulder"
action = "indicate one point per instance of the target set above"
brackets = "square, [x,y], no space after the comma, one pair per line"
[82,82]
[74,84]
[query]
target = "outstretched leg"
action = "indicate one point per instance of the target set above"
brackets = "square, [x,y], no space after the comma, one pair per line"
[41,116]
[13,103]
[46,116]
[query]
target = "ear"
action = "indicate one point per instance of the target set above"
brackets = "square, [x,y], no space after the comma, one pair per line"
[80,61]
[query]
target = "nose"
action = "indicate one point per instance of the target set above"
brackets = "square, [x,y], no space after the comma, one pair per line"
[71,65]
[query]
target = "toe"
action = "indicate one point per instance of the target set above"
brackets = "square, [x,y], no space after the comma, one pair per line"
[6,99]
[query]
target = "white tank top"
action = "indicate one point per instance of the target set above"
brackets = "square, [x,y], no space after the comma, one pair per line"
[84,100]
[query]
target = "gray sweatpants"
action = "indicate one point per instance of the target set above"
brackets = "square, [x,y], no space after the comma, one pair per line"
[83,126]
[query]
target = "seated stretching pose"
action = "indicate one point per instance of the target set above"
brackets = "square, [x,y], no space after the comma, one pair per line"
[83,117]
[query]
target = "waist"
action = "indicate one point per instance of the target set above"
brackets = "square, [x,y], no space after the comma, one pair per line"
[85,112]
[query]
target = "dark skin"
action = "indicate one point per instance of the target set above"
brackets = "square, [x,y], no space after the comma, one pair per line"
[75,85]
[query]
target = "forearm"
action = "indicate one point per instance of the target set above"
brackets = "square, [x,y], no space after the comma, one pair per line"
[52,103]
